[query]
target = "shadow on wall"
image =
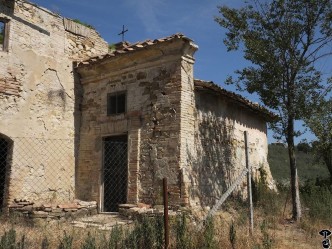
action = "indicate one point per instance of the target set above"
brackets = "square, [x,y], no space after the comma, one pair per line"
[78,93]
[58,97]
[228,108]
[8,6]
[212,168]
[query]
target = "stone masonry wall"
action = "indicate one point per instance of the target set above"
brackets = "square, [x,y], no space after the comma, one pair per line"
[152,80]
[219,156]
[39,97]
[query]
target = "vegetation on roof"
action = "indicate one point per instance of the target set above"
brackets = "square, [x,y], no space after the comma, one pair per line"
[111,47]
[84,24]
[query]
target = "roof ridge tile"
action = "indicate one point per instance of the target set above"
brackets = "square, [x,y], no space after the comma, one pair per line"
[127,47]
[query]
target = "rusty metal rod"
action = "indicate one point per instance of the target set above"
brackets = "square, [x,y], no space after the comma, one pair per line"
[166,213]
[251,208]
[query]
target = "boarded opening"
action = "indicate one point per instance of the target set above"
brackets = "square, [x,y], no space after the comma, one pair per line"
[115,173]
[4,150]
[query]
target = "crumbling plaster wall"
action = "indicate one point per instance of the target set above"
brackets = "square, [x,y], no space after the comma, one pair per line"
[38,92]
[187,132]
[152,79]
[219,157]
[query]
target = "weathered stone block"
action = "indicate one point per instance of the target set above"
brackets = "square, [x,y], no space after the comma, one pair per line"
[38,214]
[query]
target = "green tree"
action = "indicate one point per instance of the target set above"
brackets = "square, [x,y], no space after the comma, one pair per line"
[282,39]
[320,123]
[304,147]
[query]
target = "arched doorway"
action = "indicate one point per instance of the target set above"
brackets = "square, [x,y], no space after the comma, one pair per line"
[5,150]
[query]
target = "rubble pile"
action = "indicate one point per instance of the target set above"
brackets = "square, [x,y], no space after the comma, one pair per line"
[51,211]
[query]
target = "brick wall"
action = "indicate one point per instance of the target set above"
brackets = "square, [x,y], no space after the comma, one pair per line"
[154,82]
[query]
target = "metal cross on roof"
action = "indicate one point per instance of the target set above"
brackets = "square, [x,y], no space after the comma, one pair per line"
[123,32]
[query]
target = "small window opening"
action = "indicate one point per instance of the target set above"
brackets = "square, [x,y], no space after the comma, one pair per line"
[116,103]
[3,35]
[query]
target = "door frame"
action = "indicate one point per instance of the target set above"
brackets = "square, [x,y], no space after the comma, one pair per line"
[9,154]
[102,178]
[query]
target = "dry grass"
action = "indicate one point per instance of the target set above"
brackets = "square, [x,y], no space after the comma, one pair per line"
[273,229]
[281,234]
[52,234]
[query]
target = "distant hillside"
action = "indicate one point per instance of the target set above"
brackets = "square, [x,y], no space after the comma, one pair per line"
[307,167]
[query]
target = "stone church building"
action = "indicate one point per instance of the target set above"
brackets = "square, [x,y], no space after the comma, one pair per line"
[80,121]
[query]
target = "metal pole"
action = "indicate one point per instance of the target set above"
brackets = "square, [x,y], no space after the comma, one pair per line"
[166,213]
[251,209]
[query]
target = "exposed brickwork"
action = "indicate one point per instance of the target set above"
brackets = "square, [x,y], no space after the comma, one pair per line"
[10,86]
[80,47]
[153,121]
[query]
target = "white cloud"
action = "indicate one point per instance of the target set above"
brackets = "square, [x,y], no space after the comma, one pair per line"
[149,11]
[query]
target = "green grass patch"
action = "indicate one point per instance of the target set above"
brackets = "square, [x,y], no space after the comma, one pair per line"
[84,23]
[308,168]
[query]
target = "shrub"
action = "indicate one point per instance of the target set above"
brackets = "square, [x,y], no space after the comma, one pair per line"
[89,243]
[8,240]
[182,236]
[268,200]
[147,233]
[267,241]
[208,234]
[232,235]
[111,47]
[116,238]
[66,242]
[317,197]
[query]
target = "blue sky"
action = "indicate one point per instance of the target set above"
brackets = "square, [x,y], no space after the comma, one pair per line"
[151,19]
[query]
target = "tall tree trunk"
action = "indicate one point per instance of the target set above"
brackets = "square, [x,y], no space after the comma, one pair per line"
[327,157]
[296,211]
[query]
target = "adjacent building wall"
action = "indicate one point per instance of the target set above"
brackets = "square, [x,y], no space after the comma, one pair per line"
[39,97]
[219,155]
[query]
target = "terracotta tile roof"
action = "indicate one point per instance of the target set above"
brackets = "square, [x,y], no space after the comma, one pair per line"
[127,48]
[254,107]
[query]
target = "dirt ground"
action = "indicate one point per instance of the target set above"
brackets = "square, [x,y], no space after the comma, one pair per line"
[289,235]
